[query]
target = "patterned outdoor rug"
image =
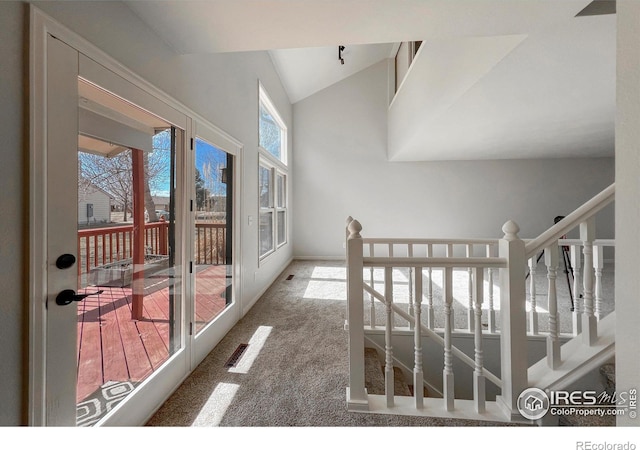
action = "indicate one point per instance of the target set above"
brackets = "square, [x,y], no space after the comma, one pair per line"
[103,400]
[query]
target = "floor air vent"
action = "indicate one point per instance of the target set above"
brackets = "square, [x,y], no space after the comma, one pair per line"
[290,277]
[236,355]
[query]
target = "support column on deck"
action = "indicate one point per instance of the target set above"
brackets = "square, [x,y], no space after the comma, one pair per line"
[138,234]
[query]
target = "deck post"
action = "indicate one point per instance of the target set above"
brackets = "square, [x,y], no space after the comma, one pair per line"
[138,235]
[513,321]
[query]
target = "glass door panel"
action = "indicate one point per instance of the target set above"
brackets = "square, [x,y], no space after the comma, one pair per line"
[212,232]
[128,325]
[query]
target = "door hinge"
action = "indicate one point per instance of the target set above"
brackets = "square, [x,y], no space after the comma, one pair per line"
[191,143]
[191,206]
[190,328]
[190,266]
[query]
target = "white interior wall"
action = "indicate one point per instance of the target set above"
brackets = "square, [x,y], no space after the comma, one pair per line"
[222,88]
[341,169]
[628,208]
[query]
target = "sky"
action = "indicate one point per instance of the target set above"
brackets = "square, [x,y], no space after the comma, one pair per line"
[206,155]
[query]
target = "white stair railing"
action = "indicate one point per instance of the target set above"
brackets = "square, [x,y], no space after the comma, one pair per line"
[417,265]
[513,257]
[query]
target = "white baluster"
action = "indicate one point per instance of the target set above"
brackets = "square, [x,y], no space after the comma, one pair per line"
[492,311]
[577,290]
[356,392]
[411,292]
[598,264]
[447,374]
[418,376]
[478,378]
[513,322]
[589,324]
[393,316]
[533,314]
[430,312]
[470,319]
[372,300]
[452,316]
[388,368]
[553,341]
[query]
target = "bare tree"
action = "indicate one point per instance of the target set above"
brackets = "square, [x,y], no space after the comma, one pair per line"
[114,174]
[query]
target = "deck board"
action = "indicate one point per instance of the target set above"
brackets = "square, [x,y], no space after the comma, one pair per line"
[137,360]
[113,359]
[113,347]
[89,357]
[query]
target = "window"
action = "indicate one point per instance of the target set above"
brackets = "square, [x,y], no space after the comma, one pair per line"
[272,178]
[266,210]
[272,184]
[272,130]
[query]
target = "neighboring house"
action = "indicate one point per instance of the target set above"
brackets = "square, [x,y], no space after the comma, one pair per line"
[341,166]
[94,206]
[161,202]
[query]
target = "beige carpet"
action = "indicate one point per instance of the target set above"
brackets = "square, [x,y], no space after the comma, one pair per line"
[294,372]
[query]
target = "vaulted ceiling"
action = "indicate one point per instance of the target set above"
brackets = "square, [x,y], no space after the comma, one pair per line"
[551,95]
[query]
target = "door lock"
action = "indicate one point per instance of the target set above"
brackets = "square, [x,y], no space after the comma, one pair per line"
[69,295]
[65,261]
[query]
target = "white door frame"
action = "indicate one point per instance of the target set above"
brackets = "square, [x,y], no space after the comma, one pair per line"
[41,26]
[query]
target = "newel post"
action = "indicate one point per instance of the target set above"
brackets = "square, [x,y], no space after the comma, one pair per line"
[346,259]
[513,320]
[356,392]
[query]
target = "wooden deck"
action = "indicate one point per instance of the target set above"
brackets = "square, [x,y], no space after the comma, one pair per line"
[113,347]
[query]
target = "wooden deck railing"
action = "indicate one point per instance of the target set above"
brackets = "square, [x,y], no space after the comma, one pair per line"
[211,241]
[100,246]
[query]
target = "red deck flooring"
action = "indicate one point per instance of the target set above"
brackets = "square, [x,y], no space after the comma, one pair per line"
[113,347]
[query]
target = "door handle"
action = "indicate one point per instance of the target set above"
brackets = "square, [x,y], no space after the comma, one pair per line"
[67,296]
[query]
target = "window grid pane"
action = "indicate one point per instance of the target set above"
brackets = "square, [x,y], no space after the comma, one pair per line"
[266,233]
[282,227]
[270,133]
[281,192]
[266,198]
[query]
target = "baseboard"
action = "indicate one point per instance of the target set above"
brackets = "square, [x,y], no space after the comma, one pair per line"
[268,284]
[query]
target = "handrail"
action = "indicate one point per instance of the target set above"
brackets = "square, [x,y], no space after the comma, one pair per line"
[436,241]
[383,261]
[596,242]
[571,221]
[435,336]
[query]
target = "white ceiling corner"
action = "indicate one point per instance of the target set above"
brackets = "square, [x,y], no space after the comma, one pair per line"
[305,71]
[552,95]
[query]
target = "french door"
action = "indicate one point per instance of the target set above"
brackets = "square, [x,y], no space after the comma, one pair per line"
[132,241]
